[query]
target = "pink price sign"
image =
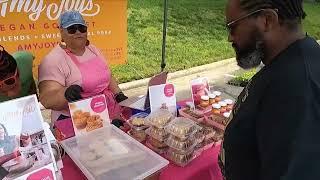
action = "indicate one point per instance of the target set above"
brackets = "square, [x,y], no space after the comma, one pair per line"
[98,104]
[169,90]
[44,174]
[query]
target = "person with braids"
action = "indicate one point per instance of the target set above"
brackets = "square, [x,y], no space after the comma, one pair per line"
[273,130]
[16,79]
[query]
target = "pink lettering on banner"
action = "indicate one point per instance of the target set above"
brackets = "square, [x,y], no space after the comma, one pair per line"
[53,10]
[98,104]
[169,90]
[43,174]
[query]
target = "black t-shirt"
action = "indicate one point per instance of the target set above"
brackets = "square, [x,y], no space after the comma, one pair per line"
[274,130]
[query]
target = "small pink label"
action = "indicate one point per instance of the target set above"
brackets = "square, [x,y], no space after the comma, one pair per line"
[43,174]
[169,90]
[98,104]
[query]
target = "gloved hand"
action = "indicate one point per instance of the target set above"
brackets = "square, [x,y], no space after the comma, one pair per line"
[117,122]
[73,93]
[120,97]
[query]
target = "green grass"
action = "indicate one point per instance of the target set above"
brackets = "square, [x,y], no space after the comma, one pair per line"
[312,22]
[196,35]
[243,78]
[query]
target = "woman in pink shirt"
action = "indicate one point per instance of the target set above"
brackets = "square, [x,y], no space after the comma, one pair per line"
[74,70]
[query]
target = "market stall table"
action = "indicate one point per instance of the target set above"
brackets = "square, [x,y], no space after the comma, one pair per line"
[204,167]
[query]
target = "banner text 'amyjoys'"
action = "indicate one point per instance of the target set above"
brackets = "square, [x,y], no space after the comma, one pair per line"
[33,25]
[53,10]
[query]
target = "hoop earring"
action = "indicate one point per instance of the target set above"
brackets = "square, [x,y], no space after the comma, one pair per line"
[62,44]
[87,43]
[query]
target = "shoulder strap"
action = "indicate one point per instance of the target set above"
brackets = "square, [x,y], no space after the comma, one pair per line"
[71,55]
[91,49]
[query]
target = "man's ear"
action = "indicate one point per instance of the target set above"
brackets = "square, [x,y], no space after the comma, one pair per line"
[269,20]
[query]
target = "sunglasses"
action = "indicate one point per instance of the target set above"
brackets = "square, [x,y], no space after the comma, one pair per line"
[73,29]
[10,82]
[231,25]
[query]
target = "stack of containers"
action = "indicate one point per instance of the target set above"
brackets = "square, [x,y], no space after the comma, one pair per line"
[182,140]
[156,132]
[138,127]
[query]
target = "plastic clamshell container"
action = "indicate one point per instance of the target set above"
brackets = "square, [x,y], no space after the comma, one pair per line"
[159,134]
[180,159]
[109,153]
[159,118]
[182,128]
[156,143]
[138,135]
[182,146]
[191,114]
[140,116]
[150,144]
[217,121]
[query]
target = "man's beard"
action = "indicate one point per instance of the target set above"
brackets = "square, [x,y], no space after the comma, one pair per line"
[252,55]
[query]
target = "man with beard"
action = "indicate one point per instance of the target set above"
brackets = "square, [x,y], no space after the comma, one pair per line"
[273,132]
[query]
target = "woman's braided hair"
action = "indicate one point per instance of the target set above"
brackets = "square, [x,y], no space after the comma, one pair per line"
[290,12]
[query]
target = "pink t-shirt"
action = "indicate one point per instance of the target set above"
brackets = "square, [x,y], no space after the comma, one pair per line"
[58,66]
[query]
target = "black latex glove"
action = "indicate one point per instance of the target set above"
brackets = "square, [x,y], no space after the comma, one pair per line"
[73,93]
[117,122]
[120,97]
[3,172]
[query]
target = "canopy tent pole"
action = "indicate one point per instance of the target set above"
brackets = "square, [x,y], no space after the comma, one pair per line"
[164,35]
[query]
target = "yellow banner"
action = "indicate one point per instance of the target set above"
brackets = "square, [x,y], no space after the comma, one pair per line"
[32,25]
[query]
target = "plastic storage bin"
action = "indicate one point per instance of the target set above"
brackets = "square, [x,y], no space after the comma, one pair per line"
[109,153]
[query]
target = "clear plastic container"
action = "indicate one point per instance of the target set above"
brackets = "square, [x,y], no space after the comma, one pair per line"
[216,108]
[137,121]
[204,101]
[139,135]
[193,113]
[156,143]
[155,149]
[221,119]
[182,127]
[109,153]
[223,108]
[157,133]
[210,135]
[178,158]
[218,96]
[199,137]
[159,118]
[218,135]
[229,104]
[182,146]
[212,98]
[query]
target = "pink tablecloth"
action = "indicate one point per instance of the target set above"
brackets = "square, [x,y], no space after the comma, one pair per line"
[70,170]
[204,167]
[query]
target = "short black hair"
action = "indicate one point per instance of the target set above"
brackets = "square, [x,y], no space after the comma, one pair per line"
[290,12]
[8,64]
